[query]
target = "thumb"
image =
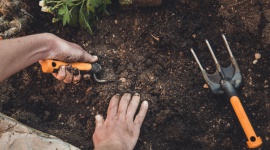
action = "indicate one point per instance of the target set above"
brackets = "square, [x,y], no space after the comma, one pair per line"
[99,120]
[81,55]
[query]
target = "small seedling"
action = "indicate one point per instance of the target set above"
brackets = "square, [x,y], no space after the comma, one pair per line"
[75,12]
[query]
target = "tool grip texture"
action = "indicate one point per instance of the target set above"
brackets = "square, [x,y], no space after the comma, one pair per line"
[253,141]
[50,66]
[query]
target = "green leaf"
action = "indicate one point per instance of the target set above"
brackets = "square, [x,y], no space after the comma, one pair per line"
[95,3]
[101,9]
[79,12]
[90,7]
[107,1]
[74,16]
[70,4]
[66,16]
[83,19]
[61,11]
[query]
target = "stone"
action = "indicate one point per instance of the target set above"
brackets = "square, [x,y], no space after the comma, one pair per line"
[15,135]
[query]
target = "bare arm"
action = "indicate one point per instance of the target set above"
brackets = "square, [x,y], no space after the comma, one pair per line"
[18,53]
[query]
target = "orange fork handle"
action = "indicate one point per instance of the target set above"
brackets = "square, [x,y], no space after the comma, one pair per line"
[50,66]
[253,141]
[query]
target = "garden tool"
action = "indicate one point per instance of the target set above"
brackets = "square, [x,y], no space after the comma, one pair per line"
[52,66]
[225,81]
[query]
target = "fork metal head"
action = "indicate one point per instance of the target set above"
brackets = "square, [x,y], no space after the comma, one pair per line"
[231,74]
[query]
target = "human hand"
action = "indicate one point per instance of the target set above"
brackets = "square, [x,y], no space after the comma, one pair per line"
[62,50]
[120,130]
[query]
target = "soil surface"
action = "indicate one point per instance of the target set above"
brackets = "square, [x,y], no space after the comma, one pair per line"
[149,48]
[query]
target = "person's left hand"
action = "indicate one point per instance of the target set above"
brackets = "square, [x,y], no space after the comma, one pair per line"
[121,128]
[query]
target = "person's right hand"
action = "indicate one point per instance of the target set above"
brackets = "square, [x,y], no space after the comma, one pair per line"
[121,129]
[62,50]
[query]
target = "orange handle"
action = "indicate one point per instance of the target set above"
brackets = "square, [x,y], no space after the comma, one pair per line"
[253,141]
[49,66]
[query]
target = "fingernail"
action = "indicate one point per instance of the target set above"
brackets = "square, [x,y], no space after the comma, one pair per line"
[69,68]
[136,94]
[95,57]
[76,72]
[145,103]
[62,68]
[98,117]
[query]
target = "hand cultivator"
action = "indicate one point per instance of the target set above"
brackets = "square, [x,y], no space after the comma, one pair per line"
[225,81]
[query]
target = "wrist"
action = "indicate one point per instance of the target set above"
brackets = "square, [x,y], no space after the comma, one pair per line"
[112,145]
[47,45]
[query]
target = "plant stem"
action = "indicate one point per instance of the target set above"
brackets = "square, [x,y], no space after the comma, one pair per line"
[76,5]
[82,4]
[52,1]
[58,5]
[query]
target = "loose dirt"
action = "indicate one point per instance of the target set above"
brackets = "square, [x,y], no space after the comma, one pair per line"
[149,50]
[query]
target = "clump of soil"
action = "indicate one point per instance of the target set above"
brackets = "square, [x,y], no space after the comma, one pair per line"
[148,49]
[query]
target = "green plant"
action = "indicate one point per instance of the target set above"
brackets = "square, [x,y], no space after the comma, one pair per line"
[75,12]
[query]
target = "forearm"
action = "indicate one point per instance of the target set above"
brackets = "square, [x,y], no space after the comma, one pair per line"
[19,53]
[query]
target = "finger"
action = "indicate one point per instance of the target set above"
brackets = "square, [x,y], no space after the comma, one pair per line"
[122,109]
[69,74]
[83,56]
[113,106]
[89,58]
[86,76]
[76,75]
[99,120]
[75,45]
[141,115]
[61,73]
[132,107]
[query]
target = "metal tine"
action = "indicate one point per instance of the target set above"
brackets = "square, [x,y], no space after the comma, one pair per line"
[227,45]
[196,58]
[215,59]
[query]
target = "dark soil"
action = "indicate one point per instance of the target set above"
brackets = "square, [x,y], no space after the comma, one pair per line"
[182,113]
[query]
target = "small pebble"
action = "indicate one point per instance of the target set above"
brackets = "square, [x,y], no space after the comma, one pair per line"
[59,116]
[181,54]
[205,86]
[115,21]
[47,113]
[255,62]
[123,80]
[136,22]
[257,56]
